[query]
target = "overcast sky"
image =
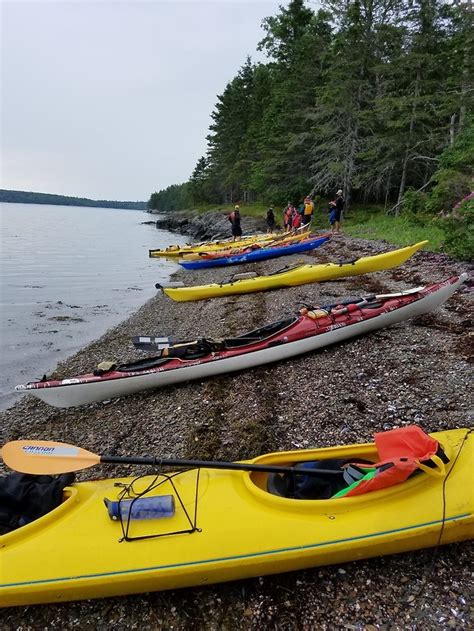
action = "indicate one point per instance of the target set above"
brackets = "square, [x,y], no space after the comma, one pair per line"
[110,99]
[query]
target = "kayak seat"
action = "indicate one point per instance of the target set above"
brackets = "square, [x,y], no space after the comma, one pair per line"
[260,334]
[403,453]
[373,305]
[311,487]
[187,351]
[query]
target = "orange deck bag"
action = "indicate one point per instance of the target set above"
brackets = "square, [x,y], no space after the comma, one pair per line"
[400,451]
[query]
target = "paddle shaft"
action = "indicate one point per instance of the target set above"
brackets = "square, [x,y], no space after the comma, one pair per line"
[211,464]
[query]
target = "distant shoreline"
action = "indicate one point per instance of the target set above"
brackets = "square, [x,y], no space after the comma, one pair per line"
[30,197]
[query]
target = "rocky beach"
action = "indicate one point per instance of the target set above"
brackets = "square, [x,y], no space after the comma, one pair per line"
[415,372]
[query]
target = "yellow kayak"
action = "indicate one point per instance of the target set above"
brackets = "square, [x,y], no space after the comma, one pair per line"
[300,275]
[227,525]
[176,250]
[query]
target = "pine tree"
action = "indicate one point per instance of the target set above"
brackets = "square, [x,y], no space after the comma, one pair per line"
[344,102]
[296,41]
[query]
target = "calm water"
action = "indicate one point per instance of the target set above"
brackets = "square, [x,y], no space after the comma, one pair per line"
[68,274]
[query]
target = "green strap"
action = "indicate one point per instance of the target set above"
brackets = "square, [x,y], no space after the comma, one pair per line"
[367,476]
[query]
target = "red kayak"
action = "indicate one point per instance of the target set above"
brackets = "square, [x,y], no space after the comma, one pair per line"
[312,329]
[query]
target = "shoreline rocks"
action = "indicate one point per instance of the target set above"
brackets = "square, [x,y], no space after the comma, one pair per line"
[415,372]
[209,225]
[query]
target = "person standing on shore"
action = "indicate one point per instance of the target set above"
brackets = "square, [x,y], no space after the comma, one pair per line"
[338,208]
[308,211]
[270,220]
[234,219]
[287,216]
[332,214]
[296,222]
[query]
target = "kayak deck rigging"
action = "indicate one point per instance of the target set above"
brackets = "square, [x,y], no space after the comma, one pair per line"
[159,479]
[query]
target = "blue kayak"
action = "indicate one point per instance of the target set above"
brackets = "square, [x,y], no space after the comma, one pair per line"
[260,254]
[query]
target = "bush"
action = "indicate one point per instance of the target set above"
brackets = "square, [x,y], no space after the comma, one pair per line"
[414,208]
[458,228]
[414,202]
[451,186]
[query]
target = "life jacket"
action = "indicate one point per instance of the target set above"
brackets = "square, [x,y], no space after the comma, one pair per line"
[296,223]
[308,208]
[402,451]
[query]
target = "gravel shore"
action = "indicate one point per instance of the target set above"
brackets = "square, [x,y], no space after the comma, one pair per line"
[415,372]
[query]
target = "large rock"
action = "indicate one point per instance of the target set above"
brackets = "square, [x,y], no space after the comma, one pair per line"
[210,225]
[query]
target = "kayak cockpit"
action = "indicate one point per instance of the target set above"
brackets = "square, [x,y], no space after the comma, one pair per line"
[200,348]
[398,457]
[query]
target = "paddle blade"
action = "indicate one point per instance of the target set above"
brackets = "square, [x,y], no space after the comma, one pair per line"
[46,457]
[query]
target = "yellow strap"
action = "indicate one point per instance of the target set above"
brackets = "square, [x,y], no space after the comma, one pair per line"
[438,472]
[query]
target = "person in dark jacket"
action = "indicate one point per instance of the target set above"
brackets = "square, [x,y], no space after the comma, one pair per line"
[234,219]
[338,208]
[270,219]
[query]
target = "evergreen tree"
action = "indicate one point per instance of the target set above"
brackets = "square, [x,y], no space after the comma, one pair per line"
[296,41]
[344,103]
[231,116]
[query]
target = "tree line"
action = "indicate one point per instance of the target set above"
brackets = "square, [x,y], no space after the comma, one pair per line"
[370,96]
[29,197]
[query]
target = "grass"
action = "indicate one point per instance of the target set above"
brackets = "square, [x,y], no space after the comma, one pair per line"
[402,230]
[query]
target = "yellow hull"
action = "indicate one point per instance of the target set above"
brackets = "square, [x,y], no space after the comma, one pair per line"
[298,276]
[173,251]
[242,531]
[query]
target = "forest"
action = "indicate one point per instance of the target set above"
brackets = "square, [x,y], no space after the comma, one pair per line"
[371,96]
[28,197]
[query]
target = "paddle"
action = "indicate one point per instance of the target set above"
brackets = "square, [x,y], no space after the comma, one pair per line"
[407,292]
[155,343]
[47,458]
[364,300]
